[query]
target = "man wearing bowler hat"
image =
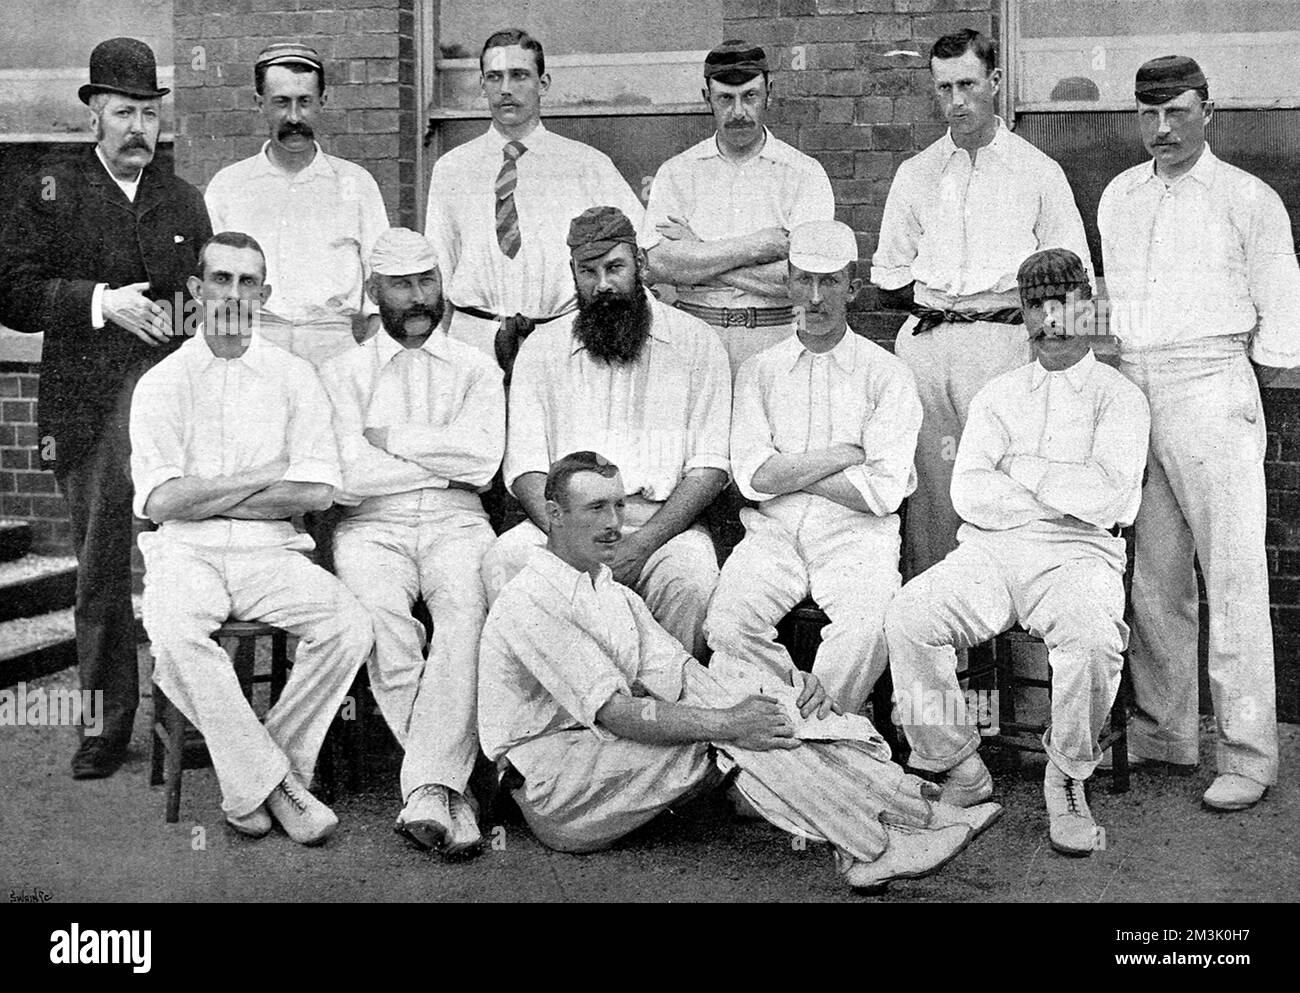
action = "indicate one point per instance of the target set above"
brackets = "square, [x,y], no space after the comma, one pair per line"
[720,213]
[317,216]
[94,254]
[1205,300]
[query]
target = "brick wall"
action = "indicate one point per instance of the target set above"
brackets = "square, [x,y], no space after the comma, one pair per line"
[27,492]
[369,52]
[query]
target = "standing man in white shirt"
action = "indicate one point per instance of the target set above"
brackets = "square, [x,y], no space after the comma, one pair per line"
[230,438]
[1049,470]
[420,420]
[645,382]
[718,220]
[823,431]
[1205,300]
[316,215]
[960,218]
[500,206]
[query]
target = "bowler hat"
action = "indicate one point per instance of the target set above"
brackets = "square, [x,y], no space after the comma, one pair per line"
[122,65]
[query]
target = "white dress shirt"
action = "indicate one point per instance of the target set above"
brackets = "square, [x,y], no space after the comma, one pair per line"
[779,187]
[961,230]
[317,227]
[1040,445]
[790,400]
[656,419]
[194,414]
[558,179]
[1209,254]
[444,408]
[557,647]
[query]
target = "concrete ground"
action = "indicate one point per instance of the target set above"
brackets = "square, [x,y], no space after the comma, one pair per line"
[106,840]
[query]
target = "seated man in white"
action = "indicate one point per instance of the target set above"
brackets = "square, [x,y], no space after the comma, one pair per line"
[230,437]
[1048,470]
[823,431]
[601,720]
[421,420]
[645,384]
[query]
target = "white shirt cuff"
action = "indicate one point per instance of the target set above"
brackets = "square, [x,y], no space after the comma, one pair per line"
[97,306]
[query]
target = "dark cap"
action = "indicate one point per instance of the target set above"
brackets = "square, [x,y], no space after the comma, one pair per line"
[290,53]
[735,62]
[123,65]
[1162,79]
[598,229]
[1053,272]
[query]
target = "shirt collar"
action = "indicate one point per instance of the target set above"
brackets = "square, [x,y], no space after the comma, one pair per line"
[435,345]
[998,146]
[128,186]
[844,354]
[319,164]
[773,149]
[498,141]
[256,356]
[659,328]
[562,576]
[1204,172]
[1077,375]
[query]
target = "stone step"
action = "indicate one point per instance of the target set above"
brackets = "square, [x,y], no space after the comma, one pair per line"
[15,539]
[37,584]
[31,647]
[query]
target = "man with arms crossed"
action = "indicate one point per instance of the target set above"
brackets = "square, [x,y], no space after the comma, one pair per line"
[718,221]
[822,435]
[420,421]
[1049,470]
[645,382]
[230,437]
[316,215]
[1205,300]
[960,218]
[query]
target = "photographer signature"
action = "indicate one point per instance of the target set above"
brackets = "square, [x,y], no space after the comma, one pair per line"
[34,895]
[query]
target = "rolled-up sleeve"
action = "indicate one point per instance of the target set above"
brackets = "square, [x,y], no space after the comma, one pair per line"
[526,431]
[662,656]
[469,447]
[900,234]
[665,201]
[312,447]
[1274,281]
[157,441]
[709,419]
[888,439]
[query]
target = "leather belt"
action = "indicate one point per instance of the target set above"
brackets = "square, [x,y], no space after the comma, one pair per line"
[927,318]
[741,317]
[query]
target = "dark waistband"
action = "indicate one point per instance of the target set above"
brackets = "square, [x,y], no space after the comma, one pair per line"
[486,316]
[739,317]
[927,318]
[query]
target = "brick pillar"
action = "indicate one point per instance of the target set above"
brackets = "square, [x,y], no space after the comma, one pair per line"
[369,52]
[27,488]
[840,97]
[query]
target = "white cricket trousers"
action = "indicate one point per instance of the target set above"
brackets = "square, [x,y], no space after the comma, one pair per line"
[430,703]
[1204,497]
[1066,587]
[847,562]
[191,589]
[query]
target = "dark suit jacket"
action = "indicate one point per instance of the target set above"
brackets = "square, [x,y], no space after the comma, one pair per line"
[70,228]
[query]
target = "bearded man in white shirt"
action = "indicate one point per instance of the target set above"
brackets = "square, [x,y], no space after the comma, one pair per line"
[230,438]
[645,382]
[499,206]
[1049,470]
[1205,300]
[317,216]
[961,216]
[420,421]
[823,431]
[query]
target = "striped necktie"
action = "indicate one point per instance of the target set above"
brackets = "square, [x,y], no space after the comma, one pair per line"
[507,216]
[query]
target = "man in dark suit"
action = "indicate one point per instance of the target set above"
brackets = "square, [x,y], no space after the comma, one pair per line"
[95,254]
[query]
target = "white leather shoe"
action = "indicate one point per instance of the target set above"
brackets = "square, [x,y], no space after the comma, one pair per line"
[967,783]
[1071,827]
[978,818]
[426,819]
[464,837]
[911,854]
[304,818]
[1231,792]
[255,824]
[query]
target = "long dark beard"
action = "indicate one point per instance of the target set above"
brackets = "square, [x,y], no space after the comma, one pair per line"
[614,328]
[394,319]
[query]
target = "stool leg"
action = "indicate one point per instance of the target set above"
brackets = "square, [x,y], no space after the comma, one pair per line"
[157,737]
[1119,778]
[279,664]
[882,708]
[175,762]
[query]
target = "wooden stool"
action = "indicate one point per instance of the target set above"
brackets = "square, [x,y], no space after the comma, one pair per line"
[176,744]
